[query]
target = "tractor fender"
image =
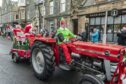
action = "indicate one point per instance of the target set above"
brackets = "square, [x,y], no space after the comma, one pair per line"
[46,40]
[16,54]
[54,47]
[13,51]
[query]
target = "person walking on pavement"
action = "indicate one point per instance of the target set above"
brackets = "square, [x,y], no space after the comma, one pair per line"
[9,31]
[95,36]
[122,37]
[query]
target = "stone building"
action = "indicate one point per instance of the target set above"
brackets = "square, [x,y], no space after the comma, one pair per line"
[55,9]
[79,14]
[9,12]
[22,7]
[87,14]
[92,15]
[69,9]
[29,11]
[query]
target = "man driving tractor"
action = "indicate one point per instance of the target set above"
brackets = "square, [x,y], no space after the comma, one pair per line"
[64,35]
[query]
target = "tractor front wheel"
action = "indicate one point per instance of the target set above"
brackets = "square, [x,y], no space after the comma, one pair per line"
[15,57]
[90,79]
[42,60]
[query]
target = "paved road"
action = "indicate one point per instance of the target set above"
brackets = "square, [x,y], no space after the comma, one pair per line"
[11,73]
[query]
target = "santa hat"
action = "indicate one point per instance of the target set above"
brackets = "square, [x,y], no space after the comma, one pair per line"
[27,28]
[62,22]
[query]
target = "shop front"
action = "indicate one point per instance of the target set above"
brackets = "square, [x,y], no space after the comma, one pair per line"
[116,20]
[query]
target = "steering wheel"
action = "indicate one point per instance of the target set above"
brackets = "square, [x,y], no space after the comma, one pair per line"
[78,38]
[45,32]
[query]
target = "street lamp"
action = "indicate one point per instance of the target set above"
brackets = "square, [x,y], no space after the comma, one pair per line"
[106,62]
[43,7]
[40,2]
[26,4]
[105,29]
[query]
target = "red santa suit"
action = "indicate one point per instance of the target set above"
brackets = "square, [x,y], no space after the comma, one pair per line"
[28,31]
[27,28]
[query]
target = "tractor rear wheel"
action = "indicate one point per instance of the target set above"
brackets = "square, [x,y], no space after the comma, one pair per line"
[90,79]
[42,58]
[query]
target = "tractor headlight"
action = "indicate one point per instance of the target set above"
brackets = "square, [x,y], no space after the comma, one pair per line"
[107,52]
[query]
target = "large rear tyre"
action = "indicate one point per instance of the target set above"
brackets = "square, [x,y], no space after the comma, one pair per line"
[42,60]
[90,79]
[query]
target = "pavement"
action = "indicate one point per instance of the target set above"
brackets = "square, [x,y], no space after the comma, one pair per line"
[22,73]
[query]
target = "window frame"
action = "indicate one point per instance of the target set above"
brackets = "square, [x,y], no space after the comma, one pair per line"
[62,6]
[51,7]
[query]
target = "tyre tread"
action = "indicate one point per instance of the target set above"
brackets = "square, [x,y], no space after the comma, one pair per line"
[49,60]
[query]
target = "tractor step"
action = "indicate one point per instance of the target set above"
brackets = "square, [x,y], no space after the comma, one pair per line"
[101,76]
[65,67]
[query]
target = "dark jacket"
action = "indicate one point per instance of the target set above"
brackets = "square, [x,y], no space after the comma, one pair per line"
[121,38]
[84,36]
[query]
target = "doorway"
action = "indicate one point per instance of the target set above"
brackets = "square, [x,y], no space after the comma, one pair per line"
[75,26]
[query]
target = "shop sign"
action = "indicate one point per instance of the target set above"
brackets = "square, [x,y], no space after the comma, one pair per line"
[97,14]
[114,12]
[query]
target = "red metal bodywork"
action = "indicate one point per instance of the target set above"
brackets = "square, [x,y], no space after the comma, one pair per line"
[95,50]
[47,40]
[22,53]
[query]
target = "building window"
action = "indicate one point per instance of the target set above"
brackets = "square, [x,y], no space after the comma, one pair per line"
[123,19]
[51,26]
[97,21]
[28,14]
[17,17]
[110,20]
[51,7]
[103,20]
[43,11]
[92,21]
[22,14]
[62,6]
[117,20]
[21,2]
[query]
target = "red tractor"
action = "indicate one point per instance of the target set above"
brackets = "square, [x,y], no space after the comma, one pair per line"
[100,63]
